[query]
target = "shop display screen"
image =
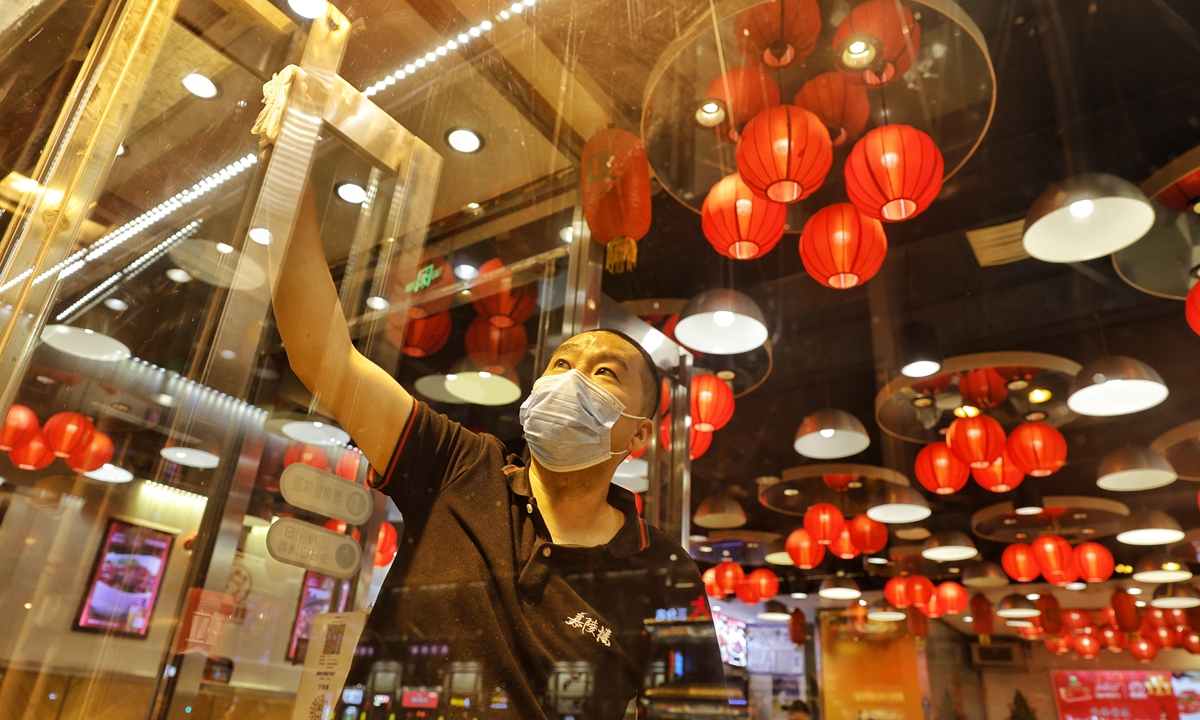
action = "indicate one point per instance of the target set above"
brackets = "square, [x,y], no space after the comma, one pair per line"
[125,581]
[731,636]
[1123,694]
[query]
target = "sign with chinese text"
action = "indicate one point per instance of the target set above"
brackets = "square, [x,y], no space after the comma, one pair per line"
[334,637]
[205,618]
[325,493]
[1114,695]
[295,542]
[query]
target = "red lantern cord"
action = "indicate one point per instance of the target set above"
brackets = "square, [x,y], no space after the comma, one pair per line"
[841,105]
[939,470]
[34,454]
[1018,561]
[1037,448]
[20,425]
[784,154]
[1094,561]
[616,194]
[779,33]
[494,349]
[977,441]
[92,456]
[824,522]
[806,553]
[983,388]
[742,92]
[738,223]
[869,536]
[712,403]
[842,248]
[843,546]
[313,455]
[1000,476]
[498,300]
[887,28]
[67,431]
[893,173]
[422,336]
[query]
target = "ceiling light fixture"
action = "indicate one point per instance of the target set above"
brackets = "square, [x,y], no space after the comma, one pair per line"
[883,611]
[897,504]
[1114,386]
[920,352]
[260,235]
[190,457]
[1150,527]
[1075,586]
[116,304]
[839,588]
[1159,567]
[719,512]
[315,433]
[1134,468]
[829,434]
[948,546]
[710,113]
[224,248]
[352,193]
[721,322]
[1134,590]
[567,234]
[466,272]
[200,86]
[110,473]
[464,140]
[1028,500]
[775,611]
[966,411]
[877,560]
[1172,596]
[1037,396]
[1017,607]
[378,303]
[309,9]
[179,275]
[1086,217]
[84,343]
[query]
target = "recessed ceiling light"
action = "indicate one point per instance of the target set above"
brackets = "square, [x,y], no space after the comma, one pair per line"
[116,304]
[377,303]
[567,234]
[86,344]
[200,86]
[260,235]
[1075,586]
[120,149]
[163,399]
[1134,591]
[314,433]
[311,9]
[179,275]
[224,248]
[464,140]
[352,193]
[466,272]
[110,473]
[227,354]
[799,595]
[1039,395]
[190,457]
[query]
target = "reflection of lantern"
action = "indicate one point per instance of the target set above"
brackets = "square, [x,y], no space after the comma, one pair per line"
[497,300]
[977,441]
[824,522]
[385,544]
[784,153]
[347,465]
[698,441]
[20,425]
[1190,641]
[1076,618]
[1177,618]
[982,619]
[1087,646]
[877,42]
[728,574]
[893,173]
[779,33]
[933,607]
[797,626]
[804,550]
[843,545]
[1000,476]
[842,105]
[747,591]
[66,431]
[313,455]
[1032,631]
[870,536]
[953,596]
[1113,639]
[939,470]
[1055,559]
[896,592]
[1192,309]
[738,223]
[1143,649]
[840,482]
[711,587]
[92,456]
[1019,563]
[1125,611]
[1017,377]
[926,390]
[1094,561]
[982,388]
[1060,643]
[842,248]
[426,291]
[616,194]
[422,336]
[33,454]
[712,403]
[493,349]
[340,527]
[920,588]
[1037,448]
[734,97]
[1165,637]
[765,582]
[1052,616]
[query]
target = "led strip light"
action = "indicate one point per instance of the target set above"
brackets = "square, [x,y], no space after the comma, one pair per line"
[464,38]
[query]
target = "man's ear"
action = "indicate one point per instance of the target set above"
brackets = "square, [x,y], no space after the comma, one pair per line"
[641,436]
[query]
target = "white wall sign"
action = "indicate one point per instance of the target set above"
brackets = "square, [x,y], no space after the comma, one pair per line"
[305,545]
[330,652]
[325,493]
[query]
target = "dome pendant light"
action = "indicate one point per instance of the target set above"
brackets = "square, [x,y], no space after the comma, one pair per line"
[948,546]
[1150,527]
[1115,386]
[1086,217]
[920,352]
[1160,567]
[720,512]
[898,504]
[721,322]
[984,574]
[828,434]
[1028,500]
[1175,596]
[839,588]
[883,611]
[1017,607]
[1134,468]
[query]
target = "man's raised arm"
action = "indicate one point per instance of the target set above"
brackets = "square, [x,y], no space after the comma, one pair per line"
[367,402]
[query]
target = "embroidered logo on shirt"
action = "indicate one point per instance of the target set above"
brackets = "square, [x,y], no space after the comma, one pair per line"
[589,626]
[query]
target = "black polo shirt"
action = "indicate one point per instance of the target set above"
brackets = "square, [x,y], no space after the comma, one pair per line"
[532,628]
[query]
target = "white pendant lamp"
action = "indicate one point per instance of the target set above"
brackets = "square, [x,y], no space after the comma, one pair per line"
[1086,217]
[1017,607]
[1173,596]
[920,353]
[948,546]
[775,611]
[720,512]
[897,504]
[1114,386]
[839,588]
[984,574]
[883,611]
[1160,567]
[1150,527]
[829,434]
[721,322]
[1134,468]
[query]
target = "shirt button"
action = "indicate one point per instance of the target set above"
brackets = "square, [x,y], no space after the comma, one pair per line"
[546,551]
[529,508]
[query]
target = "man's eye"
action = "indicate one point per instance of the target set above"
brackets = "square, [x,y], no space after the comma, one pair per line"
[606,370]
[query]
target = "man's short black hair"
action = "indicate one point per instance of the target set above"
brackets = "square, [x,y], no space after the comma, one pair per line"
[650,378]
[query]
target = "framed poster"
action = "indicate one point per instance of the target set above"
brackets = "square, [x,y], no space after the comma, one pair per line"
[125,579]
[1115,695]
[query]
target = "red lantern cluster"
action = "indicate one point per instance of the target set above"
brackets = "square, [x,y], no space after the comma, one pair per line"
[1018,561]
[35,454]
[841,247]
[67,431]
[843,545]
[348,464]
[1055,559]
[728,574]
[67,435]
[1000,476]
[953,597]
[939,470]
[779,33]
[982,388]
[824,523]
[1094,561]
[894,173]
[20,426]
[1037,449]
[616,194]
[784,154]
[919,591]
[738,223]
[869,536]
[977,441]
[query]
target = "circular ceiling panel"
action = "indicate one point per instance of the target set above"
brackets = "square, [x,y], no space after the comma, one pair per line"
[804,486]
[1075,518]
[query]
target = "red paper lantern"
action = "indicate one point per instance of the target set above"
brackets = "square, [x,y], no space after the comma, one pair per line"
[340,527]
[1108,616]
[953,597]
[1037,448]
[779,33]
[426,292]
[1076,619]
[738,223]
[983,388]
[20,425]
[92,456]
[806,553]
[1165,638]
[841,105]
[1060,643]
[616,194]
[728,574]
[34,454]
[347,465]
[1125,611]
[494,349]
[824,522]
[386,544]
[877,42]
[1113,639]
[982,619]
[1094,561]
[1055,559]
[747,592]
[711,588]
[765,582]
[422,336]
[784,154]
[797,627]
[1032,631]
[1018,561]
[1192,309]
[897,592]
[1143,649]
[699,441]
[1183,194]
[313,455]
[1052,616]
[1190,641]
[842,248]
[67,431]
[926,390]
[870,536]
[920,589]
[741,92]
[843,546]
[977,441]
[840,482]
[1017,377]
[918,622]
[498,300]
[939,470]
[712,403]
[1088,646]
[1178,619]
[934,607]
[893,173]
[1000,476]
[1154,617]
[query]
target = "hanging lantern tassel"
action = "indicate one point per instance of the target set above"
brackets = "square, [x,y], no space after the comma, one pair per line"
[621,255]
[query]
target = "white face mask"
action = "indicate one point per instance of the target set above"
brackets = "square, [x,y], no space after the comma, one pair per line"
[568,419]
